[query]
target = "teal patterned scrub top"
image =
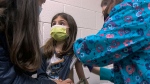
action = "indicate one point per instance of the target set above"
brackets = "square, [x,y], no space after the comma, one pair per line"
[123,41]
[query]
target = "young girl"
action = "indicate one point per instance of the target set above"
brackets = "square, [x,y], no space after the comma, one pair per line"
[58,55]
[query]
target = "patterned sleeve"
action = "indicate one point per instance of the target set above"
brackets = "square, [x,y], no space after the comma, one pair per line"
[124,32]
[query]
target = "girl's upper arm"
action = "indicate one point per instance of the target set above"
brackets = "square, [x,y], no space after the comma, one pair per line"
[80,72]
[79,69]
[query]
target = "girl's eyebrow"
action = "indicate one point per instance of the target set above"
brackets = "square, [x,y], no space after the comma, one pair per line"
[63,20]
[59,20]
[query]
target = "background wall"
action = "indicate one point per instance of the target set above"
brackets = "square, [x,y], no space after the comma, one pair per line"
[88,16]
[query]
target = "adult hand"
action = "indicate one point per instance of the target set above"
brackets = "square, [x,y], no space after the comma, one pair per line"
[67,81]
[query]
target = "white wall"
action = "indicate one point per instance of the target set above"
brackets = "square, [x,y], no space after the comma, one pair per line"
[87,14]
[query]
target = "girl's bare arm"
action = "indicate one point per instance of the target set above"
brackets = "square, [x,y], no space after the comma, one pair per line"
[80,71]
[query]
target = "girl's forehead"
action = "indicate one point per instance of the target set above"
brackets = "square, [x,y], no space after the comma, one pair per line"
[59,18]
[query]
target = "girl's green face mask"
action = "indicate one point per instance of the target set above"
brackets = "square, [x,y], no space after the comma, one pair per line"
[58,32]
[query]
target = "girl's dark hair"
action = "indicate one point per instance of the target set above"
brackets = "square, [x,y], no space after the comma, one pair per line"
[19,22]
[110,4]
[49,47]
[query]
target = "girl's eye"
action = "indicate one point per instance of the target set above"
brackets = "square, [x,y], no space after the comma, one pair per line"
[62,23]
[53,23]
